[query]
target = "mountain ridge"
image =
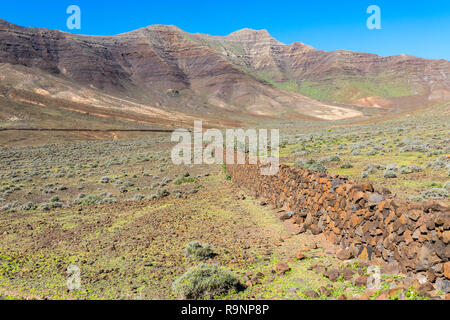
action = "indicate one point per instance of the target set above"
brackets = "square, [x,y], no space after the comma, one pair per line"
[233,79]
[243,30]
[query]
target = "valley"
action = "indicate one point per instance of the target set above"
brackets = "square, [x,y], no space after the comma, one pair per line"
[87,181]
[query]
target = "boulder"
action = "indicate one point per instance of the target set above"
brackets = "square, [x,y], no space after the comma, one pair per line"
[311,294]
[442,285]
[375,198]
[333,274]
[281,268]
[348,274]
[344,254]
[361,281]
[447,270]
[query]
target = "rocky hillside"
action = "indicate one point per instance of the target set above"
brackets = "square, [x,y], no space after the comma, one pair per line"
[161,74]
[341,75]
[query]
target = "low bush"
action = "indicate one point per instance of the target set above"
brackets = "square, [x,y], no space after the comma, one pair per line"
[56,204]
[28,206]
[390,174]
[205,281]
[405,170]
[105,180]
[311,165]
[196,251]
[182,180]
[435,194]
[447,186]
[138,197]
[346,165]
[45,207]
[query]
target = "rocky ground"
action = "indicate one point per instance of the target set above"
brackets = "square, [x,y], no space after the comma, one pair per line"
[409,155]
[122,213]
[134,250]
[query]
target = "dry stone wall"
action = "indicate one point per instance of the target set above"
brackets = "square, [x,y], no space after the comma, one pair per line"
[365,222]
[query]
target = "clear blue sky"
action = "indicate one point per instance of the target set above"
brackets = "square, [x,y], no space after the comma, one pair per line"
[416,27]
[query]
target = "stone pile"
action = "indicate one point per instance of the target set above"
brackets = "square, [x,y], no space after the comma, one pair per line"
[366,222]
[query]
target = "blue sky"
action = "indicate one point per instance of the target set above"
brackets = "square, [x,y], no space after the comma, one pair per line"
[416,27]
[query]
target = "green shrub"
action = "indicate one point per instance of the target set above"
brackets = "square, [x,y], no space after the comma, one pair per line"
[196,251]
[205,281]
[105,180]
[182,180]
[447,186]
[28,206]
[56,204]
[390,174]
[45,207]
[318,167]
[161,193]
[434,184]
[346,165]
[138,197]
[435,194]
[87,200]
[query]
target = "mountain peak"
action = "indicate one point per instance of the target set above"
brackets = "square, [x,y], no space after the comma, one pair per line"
[157,28]
[247,34]
[251,31]
[163,27]
[301,45]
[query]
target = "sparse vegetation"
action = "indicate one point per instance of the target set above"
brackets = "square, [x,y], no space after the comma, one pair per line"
[205,281]
[182,180]
[196,251]
[61,204]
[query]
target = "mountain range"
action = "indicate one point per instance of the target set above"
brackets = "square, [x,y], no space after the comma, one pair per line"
[164,76]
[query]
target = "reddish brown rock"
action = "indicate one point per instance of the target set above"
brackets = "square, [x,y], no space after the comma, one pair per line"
[415,214]
[366,295]
[364,254]
[344,254]
[311,294]
[324,291]
[447,270]
[359,195]
[415,239]
[388,294]
[333,274]
[366,186]
[446,236]
[361,281]
[431,276]
[300,256]
[348,274]
[425,287]
[281,268]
